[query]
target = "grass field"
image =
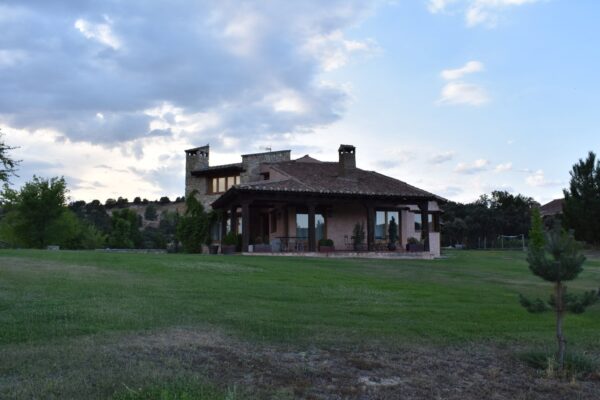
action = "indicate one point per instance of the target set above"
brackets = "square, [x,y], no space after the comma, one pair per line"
[74,318]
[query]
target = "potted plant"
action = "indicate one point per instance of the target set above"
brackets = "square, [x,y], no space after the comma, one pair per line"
[414,245]
[392,234]
[229,243]
[358,237]
[326,245]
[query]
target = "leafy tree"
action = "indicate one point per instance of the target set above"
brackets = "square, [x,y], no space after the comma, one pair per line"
[110,203]
[35,215]
[125,232]
[499,213]
[557,260]
[122,202]
[92,213]
[150,213]
[137,201]
[581,210]
[164,200]
[193,229]
[8,165]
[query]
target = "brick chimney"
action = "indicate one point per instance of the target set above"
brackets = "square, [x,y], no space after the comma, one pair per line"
[347,162]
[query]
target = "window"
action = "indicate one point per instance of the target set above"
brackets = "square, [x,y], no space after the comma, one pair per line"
[302,226]
[430,222]
[382,223]
[222,184]
[418,222]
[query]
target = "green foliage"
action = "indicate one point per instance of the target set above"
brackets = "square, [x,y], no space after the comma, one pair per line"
[110,203]
[92,213]
[536,233]
[36,214]
[326,242]
[413,240]
[153,238]
[533,306]
[232,239]
[581,211]
[8,165]
[557,261]
[125,232]
[560,259]
[393,231]
[358,234]
[150,213]
[193,229]
[500,213]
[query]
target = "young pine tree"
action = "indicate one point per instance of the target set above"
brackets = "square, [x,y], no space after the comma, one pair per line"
[556,258]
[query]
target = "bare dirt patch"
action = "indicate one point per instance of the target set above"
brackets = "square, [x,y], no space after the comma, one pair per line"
[99,366]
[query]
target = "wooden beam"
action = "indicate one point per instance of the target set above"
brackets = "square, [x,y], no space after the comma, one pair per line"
[370,227]
[312,245]
[424,207]
[233,219]
[245,226]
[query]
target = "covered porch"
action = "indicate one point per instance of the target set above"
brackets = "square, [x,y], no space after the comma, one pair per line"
[296,223]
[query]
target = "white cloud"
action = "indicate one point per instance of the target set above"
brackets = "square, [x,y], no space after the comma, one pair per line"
[469,68]
[99,32]
[538,179]
[441,157]
[503,167]
[478,12]
[472,168]
[463,93]
[334,51]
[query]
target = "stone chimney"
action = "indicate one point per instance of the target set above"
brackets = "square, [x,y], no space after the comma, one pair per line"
[196,159]
[347,162]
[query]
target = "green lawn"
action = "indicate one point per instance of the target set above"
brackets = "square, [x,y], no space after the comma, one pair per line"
[465,297]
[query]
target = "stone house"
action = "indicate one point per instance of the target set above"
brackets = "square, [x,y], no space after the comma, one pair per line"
[291,204]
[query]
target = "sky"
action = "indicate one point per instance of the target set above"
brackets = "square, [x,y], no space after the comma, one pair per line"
[458,97]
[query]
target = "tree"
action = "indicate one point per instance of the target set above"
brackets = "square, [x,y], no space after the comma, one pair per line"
[150,213]
[35,215]
[164,200]
[137,201]
[536,233]
[557,260]
[581,211]
[193,229]
[8,165]
[125,233]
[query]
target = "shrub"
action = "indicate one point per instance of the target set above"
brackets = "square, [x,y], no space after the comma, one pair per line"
[325,242]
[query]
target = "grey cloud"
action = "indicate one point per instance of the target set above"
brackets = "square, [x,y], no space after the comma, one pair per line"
[178,52]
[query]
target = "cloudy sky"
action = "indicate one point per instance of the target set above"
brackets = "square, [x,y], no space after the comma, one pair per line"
[459,97]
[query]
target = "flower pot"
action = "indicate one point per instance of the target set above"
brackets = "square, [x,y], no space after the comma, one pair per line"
[326,249]
[228,248]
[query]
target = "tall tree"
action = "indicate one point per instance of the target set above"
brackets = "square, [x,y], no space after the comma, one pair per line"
[125,233]
[581,210]
[557,260]
[8,165]
[36,214]
[193,228]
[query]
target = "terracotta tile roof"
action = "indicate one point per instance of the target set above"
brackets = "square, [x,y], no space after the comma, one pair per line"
[553,208]
[324,177]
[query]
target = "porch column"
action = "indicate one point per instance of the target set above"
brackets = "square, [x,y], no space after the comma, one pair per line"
[223,224]
[245,226]
[370,227]
[286,221]
[233,219]
[424,207]
[311,228]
